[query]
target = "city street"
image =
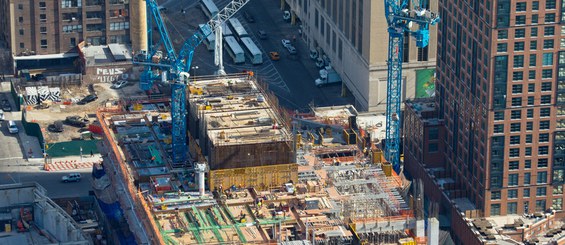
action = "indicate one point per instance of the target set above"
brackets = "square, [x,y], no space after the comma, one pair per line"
[15,167]
[291,78]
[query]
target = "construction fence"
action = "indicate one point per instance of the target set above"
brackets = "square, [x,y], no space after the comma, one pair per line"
[32,129]
[72,148]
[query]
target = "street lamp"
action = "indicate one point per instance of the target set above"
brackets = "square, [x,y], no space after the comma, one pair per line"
[194,68]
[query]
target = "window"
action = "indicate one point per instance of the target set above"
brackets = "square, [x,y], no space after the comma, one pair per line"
[530,112]
[20,6]
[503,34]
[534,18]
[529,126]
[531,75]
[432,147]
[526,192]
[520,33]
[530,101]
[544,112]
[543,150]
[42,18]
[499,128]
[533,59]
[22,45]
[518,75]
[549,31]
[558,190]
[520,20]
[546,86]
[521,7]
[533,45]
[540,205]
[512,179]
[120,26]
[516,101]
[43,43]
[514,152]
[549,18]
[527,164]
[547,73]
[534,32]
[43,29]
[528,151]
[515,114]
[528,138]
[542,163]
[498,115]
[517,88]
[21,19]
[550,4]
[542,178]
[21,32]
[541,191]
[535,5]
[547,59]
[545,99]
[557,204]
[548,44]
[512,208]
[544,137]
[501,47]
[42,5]
[515,127]
[513,165]
[494,209]
[519,61]
[514,140]
[527,178]
[512,194]
[495,195]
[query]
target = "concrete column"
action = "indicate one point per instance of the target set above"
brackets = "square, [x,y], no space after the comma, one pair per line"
[433,231]
[420,228]
[138,22]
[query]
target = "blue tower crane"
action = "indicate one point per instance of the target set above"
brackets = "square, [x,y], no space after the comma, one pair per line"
[400,20]
[174,69]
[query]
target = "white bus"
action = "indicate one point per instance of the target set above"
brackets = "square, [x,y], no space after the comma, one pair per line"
[210,40]
[234,50]
[251,51]
[209,8]
[237,28]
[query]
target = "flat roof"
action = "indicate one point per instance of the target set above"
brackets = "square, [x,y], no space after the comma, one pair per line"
[236,112]
[46,56]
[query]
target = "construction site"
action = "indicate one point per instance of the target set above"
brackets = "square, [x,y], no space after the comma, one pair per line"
[255,174]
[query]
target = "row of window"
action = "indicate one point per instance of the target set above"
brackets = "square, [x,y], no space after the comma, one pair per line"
[519,88]
[515,165]
[512,207]
[513,193]
[521,32]
[515,139]
[515,152]
[517,101]
[517,114]
[522,6]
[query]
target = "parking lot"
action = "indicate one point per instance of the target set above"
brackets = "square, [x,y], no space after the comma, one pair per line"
[291,78]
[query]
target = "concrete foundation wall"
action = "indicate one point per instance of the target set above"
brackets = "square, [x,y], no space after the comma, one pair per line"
[250,155]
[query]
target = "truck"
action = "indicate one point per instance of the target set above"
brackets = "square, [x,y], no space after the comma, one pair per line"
[327,76]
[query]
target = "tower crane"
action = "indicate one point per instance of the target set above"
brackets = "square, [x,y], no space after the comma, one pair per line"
[174,69]
[400,20]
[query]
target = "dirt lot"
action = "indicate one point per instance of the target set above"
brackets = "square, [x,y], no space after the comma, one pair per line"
[59,111]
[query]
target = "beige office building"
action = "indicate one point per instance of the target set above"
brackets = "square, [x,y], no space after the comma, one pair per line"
[353,34]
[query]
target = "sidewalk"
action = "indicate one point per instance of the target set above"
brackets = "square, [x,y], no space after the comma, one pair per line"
[72,162]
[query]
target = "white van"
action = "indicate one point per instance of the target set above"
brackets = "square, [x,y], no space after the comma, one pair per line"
[12,127]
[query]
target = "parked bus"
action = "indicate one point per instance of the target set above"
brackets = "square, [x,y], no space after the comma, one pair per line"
[209,8]
[210,40]
[234,50]
[251,51]
[237,28]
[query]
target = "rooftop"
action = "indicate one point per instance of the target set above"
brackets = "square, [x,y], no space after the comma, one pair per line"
[102,54]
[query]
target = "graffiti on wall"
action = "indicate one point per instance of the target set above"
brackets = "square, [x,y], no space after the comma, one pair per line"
[108,75]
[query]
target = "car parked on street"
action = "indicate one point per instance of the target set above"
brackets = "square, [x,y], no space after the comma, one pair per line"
[72,177]
[6,105]
[76,121]
[13,127]
[286,43]
[89,98]
[291,49]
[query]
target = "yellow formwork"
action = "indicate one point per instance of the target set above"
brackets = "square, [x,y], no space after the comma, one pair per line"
[261,177]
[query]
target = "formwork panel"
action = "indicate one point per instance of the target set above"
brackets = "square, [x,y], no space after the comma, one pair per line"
[261,177]
[249,155]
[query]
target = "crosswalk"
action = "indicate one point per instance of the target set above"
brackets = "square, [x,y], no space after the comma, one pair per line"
[68,165]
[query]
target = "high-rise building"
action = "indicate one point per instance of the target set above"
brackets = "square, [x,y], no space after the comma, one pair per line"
[500,93]
[353,34]
[48,31]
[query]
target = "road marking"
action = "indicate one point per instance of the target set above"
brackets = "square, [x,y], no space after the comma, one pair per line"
[10,158]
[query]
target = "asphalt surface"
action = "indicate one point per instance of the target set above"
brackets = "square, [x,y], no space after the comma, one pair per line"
[15,166]
[291,78]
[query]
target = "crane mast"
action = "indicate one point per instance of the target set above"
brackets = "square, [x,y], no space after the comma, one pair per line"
[174,69]
[400,20]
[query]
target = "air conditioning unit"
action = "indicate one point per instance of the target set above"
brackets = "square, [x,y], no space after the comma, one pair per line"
[73,19]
